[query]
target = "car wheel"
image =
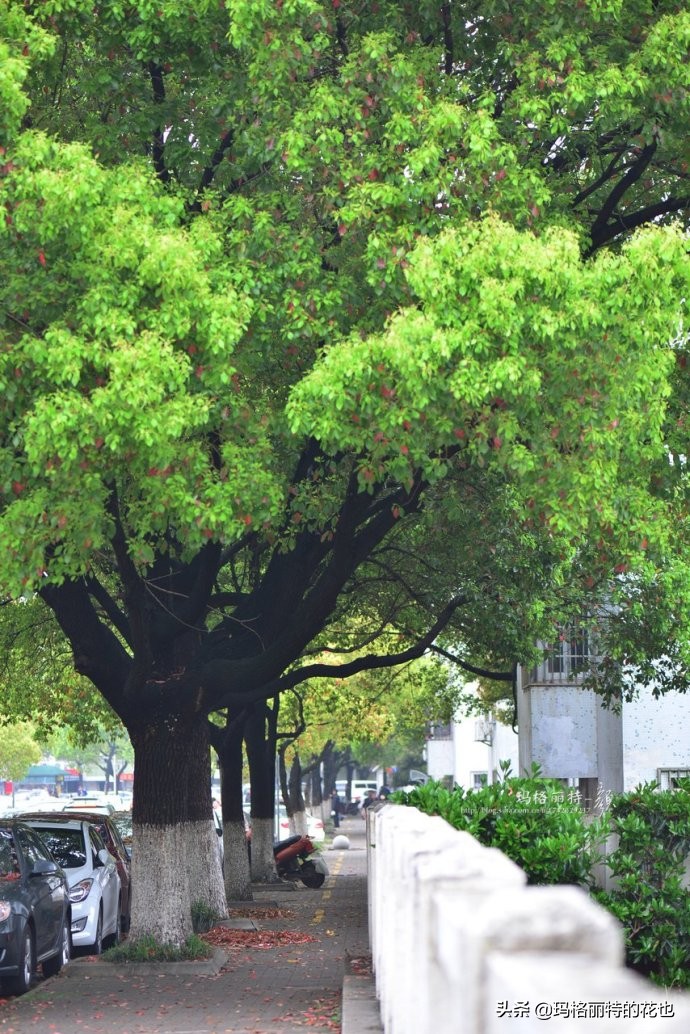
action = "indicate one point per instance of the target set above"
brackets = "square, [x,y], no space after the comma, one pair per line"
[51,967]
[97,946]
[20,984]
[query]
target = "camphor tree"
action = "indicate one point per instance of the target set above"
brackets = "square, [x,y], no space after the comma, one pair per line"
[18,750]
[284,288]
[357,717]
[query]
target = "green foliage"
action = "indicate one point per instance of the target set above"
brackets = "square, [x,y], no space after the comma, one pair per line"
[18,750]
[650,898]
[147,949]
[534,821]
[39,682]
[203,917]
[543,829]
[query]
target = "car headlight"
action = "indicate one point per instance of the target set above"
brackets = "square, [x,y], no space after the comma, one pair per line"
[80,890]
[5,911]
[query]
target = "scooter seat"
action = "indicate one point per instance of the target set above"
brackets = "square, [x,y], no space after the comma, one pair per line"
[281,844]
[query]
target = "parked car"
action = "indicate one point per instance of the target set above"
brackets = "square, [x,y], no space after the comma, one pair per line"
[35,912]
[93,804]
[123,821]
[218,826]
[114,844]
[315,827]
[94,885]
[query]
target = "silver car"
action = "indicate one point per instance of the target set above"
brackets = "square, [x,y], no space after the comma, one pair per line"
[94,884]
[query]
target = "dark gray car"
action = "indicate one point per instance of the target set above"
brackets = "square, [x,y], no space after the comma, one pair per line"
[35,918]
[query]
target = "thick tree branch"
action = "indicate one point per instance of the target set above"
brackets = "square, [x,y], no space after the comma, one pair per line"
[372,661]
[97,651]
[448,44]
[156,75]
[625,223]
[487,673]
[622,186]
[110,608]
[209,172]
[601,179]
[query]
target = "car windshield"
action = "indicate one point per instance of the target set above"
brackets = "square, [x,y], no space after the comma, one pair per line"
[8,858]
[123,822]
[65,845]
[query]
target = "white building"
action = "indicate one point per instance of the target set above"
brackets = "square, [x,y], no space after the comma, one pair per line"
[571,735]
[468,751]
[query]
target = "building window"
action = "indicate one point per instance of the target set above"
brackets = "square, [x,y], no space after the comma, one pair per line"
[667,778]
[566,660]
[479,779]
[438,731]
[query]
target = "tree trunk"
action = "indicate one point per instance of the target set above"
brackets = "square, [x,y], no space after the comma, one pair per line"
[176,861]
[331,760]
[260,739]
[296,808]
[238,885]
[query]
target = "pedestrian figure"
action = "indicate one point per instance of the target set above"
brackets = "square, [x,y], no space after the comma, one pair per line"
[335,808]
[368,801]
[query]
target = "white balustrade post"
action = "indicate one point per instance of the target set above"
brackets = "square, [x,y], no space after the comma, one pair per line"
[452,887]
[462,946]
[533,919]
[400,834]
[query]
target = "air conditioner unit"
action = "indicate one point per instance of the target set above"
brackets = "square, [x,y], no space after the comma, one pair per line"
[484,731]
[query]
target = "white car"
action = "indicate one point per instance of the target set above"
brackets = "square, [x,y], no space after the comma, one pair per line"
[315,827]
[94,885]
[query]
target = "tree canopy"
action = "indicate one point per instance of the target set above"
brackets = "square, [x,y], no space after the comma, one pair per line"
[298,296]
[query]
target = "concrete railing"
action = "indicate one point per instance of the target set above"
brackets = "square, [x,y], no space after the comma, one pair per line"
[461,945]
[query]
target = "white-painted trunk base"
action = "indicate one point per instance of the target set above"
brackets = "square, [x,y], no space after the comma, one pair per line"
[238,884]
[298,823]
[263,864]
[172,867]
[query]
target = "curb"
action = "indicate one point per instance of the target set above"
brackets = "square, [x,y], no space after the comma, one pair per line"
[360,1011]
[84,969]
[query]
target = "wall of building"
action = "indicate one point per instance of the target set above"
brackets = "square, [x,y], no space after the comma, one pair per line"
[462,758]
[656,734]
[571,735]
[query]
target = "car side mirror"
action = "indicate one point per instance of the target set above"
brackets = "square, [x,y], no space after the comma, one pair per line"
[103,856]
[44,867]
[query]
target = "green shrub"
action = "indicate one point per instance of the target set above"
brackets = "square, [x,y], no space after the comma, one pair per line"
[653,828]
[203,917]
[148,950]
[537,822]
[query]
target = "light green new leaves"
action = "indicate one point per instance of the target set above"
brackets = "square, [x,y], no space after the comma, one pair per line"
[116,366]
[20,39]
[520,355]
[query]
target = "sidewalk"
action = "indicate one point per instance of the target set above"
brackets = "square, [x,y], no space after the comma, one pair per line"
[312,970]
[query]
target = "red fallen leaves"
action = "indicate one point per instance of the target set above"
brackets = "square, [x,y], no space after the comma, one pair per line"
[222,937]
[262,912]
[324,1013]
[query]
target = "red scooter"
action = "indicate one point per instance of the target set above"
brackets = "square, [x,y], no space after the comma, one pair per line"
[297,859]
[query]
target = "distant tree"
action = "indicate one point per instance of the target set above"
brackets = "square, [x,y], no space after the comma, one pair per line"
[18,750]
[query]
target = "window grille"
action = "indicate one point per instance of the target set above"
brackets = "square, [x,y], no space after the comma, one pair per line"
[667,778]
[566,660]
[438,731]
